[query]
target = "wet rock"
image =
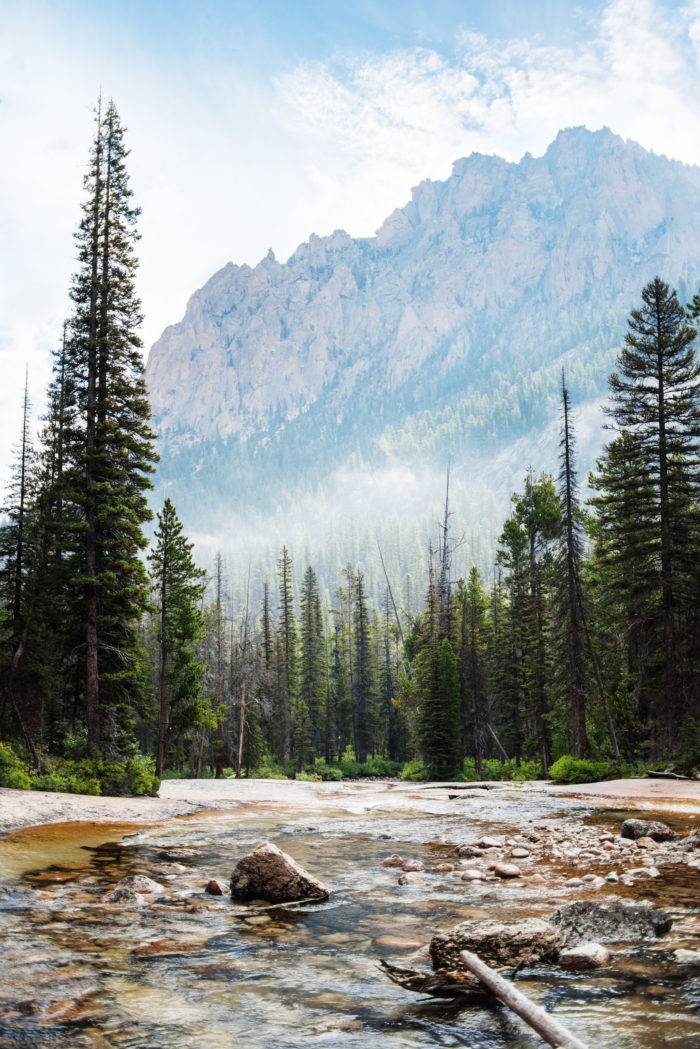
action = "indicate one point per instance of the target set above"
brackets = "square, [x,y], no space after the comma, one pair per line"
[501,943]
[692,842]
[507,870]
[519,854]
[393,861]
[469,852]
[164,947]
[687,957]
[645,843]
[615,922]
[584,956]
[397,943]
[612,876]
[127,897]
[214,887]
[635,829]
[472,875]
[490,843]
[445,868]
[574,883]
[412,866]
[140,883]
[268,873]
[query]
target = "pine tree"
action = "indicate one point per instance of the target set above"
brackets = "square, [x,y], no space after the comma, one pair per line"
[309,727]
[656,400]
[474,699]
[570,661]
[108,447]
[177,590]
[363,684]
[287,685]
[439,723]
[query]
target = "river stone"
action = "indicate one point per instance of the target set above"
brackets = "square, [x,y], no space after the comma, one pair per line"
[687,957]
[412,866]
[267,873]
[507,870]
[469,851]
[519,854]
[501,943]
[646,829]
[584,956]
[214,888]
[393,861]
[614,922]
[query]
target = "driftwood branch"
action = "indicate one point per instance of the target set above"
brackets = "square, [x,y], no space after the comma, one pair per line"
[437,985]
[477,785]
[533,1015]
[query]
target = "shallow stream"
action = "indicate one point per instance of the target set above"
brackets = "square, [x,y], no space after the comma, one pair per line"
[193,970]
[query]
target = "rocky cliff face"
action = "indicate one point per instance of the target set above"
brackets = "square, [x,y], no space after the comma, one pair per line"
[443,335]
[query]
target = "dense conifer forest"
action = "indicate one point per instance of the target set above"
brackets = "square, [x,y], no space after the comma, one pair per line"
[577,658]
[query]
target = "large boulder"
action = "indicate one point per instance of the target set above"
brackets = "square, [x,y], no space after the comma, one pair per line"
[501,943]
[267,873]
[635,829]
[614,922]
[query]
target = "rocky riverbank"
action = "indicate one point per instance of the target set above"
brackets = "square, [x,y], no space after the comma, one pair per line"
[181,797]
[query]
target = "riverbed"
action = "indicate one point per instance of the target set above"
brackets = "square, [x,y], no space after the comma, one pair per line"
[189,969]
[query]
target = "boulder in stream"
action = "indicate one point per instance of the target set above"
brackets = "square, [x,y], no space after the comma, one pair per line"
[267,873]
[614,922]
[635,829]
[501,943]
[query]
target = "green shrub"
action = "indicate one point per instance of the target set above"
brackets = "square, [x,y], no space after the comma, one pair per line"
[269,769]
[12,770]
[66,783]
[415,772]
[568,769]
[325,772]
[134,775]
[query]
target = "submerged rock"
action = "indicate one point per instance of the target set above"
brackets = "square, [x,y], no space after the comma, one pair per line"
[584,956]
[393,861]
[267,873]
[501,943]
[635,828]
[615,922]
[214,888]
[132,890]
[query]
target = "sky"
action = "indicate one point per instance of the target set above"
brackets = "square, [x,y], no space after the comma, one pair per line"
[253,123]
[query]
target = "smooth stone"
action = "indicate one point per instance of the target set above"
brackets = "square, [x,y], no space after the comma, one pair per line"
[214,888]
[507,870]
[584,956]
[393,861]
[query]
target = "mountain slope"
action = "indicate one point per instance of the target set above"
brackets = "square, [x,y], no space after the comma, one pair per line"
[289,388]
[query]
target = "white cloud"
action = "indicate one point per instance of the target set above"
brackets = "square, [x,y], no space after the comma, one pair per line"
[227,163]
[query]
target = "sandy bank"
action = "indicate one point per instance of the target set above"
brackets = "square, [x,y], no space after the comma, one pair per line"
[180,797]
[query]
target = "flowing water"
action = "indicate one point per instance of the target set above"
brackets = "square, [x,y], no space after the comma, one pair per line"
[193,970]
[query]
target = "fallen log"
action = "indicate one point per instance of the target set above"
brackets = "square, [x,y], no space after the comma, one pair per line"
[533,1015]
[668,775]
[463,786]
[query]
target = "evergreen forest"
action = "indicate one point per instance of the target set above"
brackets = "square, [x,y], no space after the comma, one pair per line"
[124,661]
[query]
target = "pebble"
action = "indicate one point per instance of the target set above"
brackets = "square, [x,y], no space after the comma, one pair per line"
[584,956]
[393,861]
[519,854]
[472,875]
[507,870]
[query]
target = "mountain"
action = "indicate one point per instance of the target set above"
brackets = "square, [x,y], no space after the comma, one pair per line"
[319,400]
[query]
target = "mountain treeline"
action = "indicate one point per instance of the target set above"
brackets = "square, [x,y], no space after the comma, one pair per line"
[120,665]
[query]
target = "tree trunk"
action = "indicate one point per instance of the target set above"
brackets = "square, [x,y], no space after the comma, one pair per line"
[241,730]
[533,1015]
